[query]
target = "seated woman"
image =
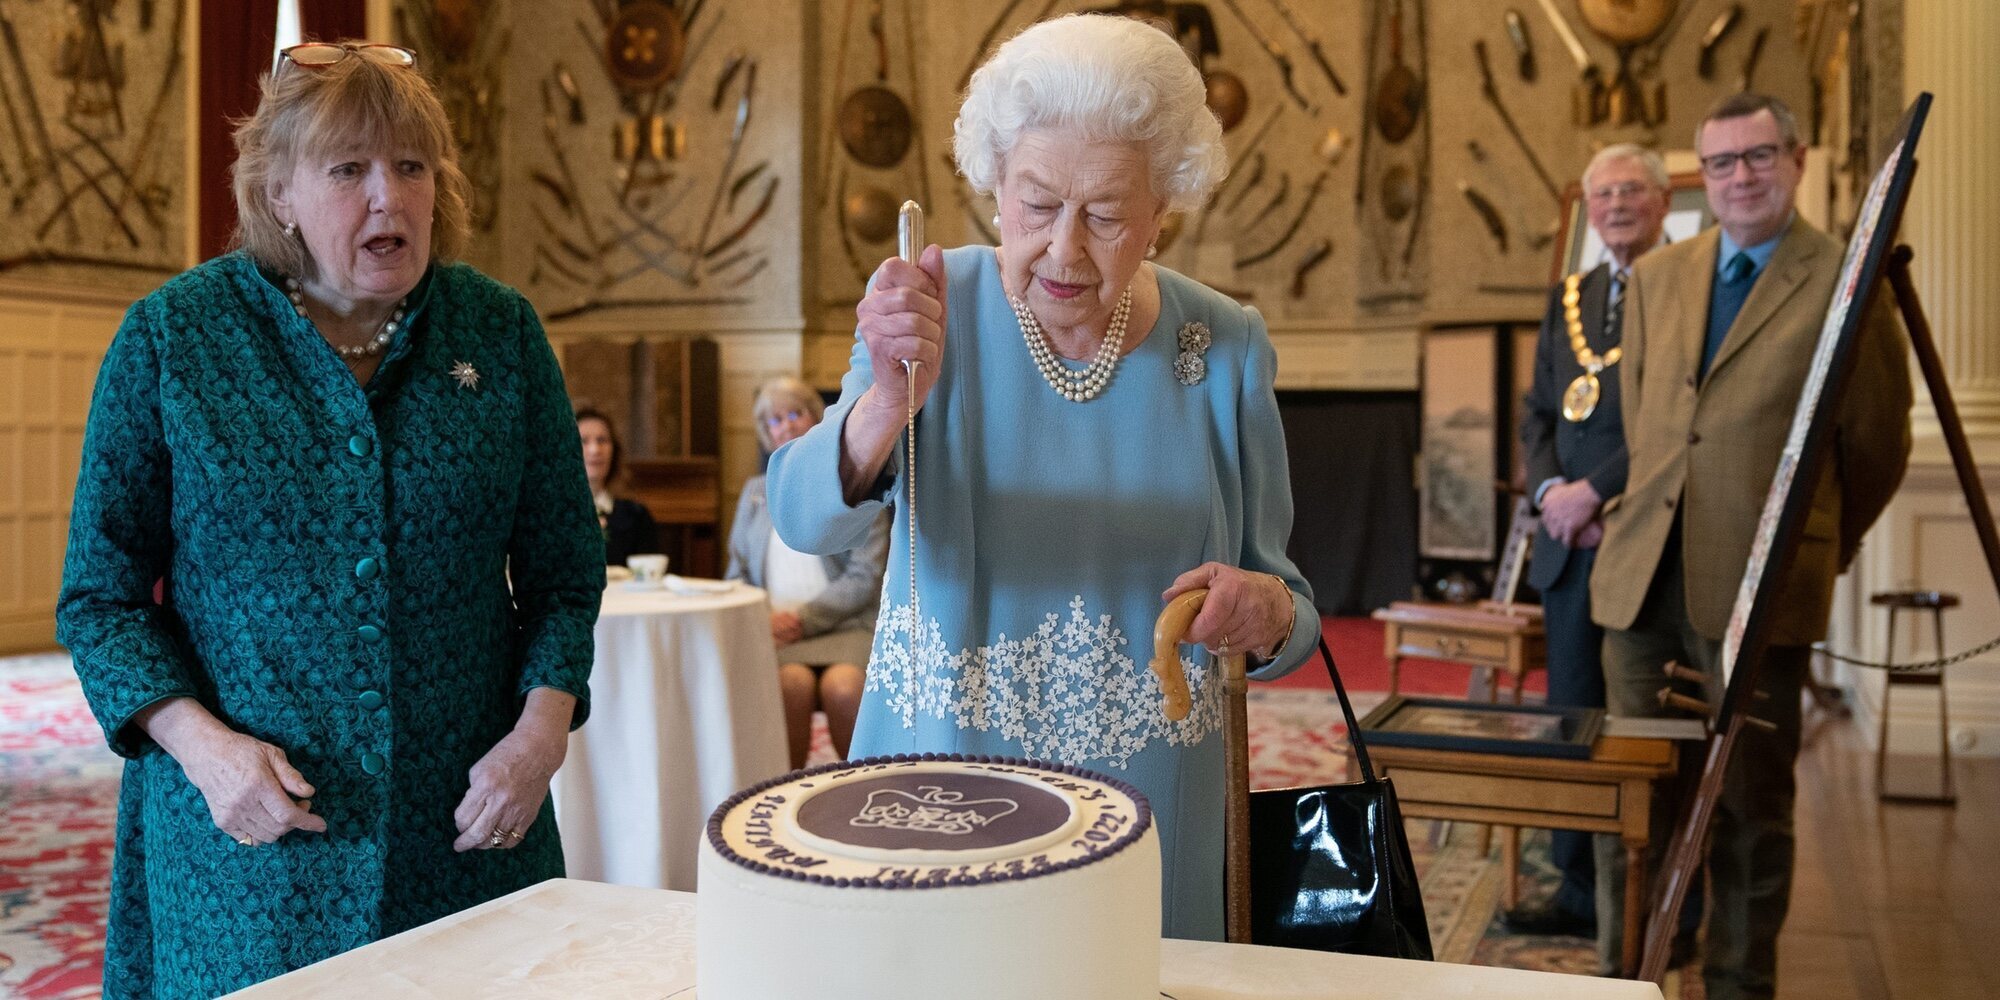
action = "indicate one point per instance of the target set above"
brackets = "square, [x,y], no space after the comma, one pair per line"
[822,607]
[628,528]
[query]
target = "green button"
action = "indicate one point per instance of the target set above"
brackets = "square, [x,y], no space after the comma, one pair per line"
[371,700]
[368,569]
[373,763]
[369,633]
[360,446]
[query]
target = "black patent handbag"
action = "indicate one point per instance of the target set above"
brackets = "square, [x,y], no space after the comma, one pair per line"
[1330,865]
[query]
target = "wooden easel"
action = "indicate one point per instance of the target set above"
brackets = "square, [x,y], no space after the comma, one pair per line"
[1691,835]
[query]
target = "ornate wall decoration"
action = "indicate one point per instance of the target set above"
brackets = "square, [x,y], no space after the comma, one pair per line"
[92,100]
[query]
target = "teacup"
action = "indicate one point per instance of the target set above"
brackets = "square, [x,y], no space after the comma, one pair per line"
[647,569]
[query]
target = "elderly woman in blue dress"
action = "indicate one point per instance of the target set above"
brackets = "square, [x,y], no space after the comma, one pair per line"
[336,447]
[1094,435]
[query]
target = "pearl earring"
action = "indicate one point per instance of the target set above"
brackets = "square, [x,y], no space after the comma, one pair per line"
[291,230]
[996,220]
[1152,250]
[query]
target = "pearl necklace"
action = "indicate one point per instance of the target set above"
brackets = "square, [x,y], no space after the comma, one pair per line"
[375,345]
[1083,386]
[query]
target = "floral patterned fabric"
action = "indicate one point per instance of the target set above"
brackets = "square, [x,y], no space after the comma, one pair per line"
[337,563]
[1046,531]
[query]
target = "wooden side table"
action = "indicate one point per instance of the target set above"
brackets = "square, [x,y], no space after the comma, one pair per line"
[1611,792]
[1489,636]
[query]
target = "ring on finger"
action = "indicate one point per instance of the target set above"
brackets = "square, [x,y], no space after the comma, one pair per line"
[247,841]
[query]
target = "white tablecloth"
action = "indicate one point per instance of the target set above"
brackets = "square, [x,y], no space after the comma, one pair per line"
[684,712]
[567,939]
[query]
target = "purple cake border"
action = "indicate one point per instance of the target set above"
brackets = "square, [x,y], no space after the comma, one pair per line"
[1140,825]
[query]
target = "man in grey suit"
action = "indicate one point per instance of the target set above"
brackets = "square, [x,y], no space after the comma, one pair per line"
[1575,445]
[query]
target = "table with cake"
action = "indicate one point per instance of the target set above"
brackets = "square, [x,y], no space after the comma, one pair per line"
[919,876]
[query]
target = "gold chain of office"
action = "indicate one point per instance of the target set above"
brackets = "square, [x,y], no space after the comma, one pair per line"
[1579,401]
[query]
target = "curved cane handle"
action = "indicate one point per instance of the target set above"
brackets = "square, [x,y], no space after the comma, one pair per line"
[1167,632]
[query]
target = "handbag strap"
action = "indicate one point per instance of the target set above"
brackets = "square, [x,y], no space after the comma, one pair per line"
[1347,711]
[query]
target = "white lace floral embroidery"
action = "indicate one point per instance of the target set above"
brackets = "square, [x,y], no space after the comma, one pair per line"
[1068,692]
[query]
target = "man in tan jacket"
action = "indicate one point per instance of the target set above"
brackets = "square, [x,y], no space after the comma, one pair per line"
[1719,335]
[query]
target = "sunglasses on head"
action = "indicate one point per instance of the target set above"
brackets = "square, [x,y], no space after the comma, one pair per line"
[320,55]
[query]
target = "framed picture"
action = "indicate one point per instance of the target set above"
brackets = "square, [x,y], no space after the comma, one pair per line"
[1580,249]
[1810,440]
[1459,513]
[1480,727]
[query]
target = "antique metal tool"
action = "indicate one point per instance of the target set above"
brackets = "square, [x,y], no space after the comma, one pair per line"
[1587,98]
[1312,45]
[1399,95]
[1491,92]
[1524,48]
[1718,29]
[1277,54]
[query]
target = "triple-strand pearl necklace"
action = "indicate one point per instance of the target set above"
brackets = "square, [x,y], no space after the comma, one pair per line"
[1083,386]
[374,345]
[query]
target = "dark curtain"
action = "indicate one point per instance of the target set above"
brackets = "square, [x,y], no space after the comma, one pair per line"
[334,20]
[1354,530]
[237,37]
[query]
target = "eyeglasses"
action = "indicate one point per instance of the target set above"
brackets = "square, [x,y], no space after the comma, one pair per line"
[1760,159]
[777,419]
[1629,189]
[320,55]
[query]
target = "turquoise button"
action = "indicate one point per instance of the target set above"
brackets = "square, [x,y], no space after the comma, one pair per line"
[371,700]
[369,633]
[360,446]
[368,569]
[373,763]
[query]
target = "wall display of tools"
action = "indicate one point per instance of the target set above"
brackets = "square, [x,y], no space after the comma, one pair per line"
[1512,137]
[877,141]
[646,164]
[1279,77]
[465,54]
[93,96]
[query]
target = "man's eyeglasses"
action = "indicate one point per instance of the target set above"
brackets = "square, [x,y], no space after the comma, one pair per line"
[320,55]
[1760,159]
[1611,192]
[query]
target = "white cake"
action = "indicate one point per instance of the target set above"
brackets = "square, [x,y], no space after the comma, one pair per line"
[933,876]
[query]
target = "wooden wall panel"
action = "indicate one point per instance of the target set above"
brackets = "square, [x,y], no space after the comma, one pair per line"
[49,352]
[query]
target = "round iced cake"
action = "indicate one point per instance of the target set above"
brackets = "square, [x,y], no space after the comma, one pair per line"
[931,875]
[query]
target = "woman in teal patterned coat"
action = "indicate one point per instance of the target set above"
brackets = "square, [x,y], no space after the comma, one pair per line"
[337,450]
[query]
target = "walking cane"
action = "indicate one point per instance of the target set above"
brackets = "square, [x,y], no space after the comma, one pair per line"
[1174,703]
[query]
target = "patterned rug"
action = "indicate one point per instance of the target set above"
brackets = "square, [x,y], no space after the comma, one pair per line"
[58,791]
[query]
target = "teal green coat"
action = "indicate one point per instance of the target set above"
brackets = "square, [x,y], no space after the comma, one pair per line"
[337,564]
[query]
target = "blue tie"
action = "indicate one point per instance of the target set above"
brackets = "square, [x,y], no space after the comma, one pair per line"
[1725,300]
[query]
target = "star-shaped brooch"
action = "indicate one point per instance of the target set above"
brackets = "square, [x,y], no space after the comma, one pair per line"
[467,376]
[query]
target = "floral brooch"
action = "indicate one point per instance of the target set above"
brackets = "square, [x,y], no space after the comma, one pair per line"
[1189,366]
[466,375]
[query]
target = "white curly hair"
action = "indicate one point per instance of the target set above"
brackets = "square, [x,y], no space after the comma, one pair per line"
[1112,77]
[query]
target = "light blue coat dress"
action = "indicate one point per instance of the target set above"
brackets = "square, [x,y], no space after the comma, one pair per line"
[1046,532]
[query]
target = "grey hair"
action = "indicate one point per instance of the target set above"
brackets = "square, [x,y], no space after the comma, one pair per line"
[784,391]
[1656,168]
[1744,105]
[1110,76]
